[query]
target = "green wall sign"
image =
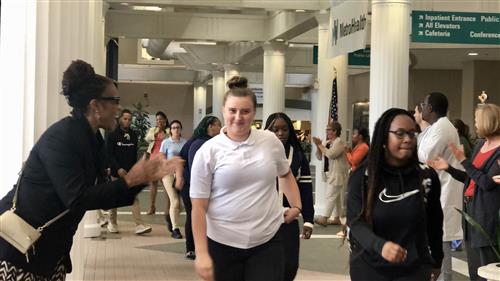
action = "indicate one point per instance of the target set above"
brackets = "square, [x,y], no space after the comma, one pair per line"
[315,54]
[359,58]
[455,27]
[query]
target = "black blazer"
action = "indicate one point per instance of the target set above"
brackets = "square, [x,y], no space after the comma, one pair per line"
[60,174]
[485,203]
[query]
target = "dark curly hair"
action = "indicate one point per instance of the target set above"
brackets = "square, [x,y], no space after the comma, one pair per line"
[80,85]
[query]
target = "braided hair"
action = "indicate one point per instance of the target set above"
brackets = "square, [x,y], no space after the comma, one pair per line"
[292,137]
[376,157]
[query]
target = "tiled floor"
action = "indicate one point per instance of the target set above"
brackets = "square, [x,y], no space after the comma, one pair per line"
[156,256]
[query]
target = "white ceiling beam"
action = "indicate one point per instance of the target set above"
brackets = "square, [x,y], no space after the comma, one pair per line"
[215,27]
[315,5]
[288,25]
[185,26]
[134,72]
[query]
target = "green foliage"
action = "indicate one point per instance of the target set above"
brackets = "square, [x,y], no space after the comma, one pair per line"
[481,230]
[140,122]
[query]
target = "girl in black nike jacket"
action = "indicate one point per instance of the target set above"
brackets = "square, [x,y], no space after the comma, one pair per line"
[393,210]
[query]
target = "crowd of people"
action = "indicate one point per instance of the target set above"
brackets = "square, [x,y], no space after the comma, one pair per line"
[243,189]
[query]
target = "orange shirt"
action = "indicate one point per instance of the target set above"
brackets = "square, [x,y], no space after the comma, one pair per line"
[357,155]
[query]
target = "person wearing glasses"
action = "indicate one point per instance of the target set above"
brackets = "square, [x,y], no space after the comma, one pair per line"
[335,173]
[172,147]
[393,208]
[155,137]
[434,142]
[62,173]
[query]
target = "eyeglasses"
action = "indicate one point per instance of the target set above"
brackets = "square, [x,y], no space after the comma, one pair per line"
[116,100]
[423,104]
[400,134]
[175,127]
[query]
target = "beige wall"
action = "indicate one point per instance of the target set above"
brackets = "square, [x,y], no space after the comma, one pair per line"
[127,51]
[175,100]
[449,82]
[487,78]
[421,83]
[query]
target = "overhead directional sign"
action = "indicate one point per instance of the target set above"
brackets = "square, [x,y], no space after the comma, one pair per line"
[455,27]
[359,58]
[348,27]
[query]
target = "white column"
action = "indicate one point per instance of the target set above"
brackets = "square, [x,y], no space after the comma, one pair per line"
[325,79]
[340,64]
[389,65]
[274,79]
[218,91]
[230,70]
[199,102]
[38,41]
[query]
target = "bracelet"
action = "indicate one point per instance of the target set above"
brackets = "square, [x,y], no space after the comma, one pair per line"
[300,210]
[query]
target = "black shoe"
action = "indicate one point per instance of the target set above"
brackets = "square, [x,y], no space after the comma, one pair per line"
[169,223]
[191,255]
[176,234]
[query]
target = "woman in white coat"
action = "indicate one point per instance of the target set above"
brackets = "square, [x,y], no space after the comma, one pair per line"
[336,171]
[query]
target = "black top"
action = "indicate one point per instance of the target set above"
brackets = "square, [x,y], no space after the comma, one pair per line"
[193,148]
[184,154]
[300,170]
[60,174]
[122,150]
[485,204]
[410,223]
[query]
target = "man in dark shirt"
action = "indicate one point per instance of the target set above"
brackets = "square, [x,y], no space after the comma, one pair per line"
[122,146]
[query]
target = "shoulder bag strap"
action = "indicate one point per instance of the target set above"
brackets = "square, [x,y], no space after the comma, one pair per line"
[14,204]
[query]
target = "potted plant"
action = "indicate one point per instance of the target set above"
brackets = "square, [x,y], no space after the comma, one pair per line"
[490,271]
[140,124]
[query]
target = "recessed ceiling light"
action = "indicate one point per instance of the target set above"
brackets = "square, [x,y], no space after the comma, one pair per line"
[147,8]
[280,39]
[300,11]
[124,3]
[473,54]
[214,63]
[236,63]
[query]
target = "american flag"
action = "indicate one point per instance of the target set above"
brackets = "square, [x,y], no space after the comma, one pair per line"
[333,116]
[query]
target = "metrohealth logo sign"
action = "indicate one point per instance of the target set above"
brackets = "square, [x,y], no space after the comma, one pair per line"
[335,32]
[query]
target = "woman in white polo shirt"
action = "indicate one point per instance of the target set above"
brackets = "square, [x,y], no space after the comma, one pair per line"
[236,212]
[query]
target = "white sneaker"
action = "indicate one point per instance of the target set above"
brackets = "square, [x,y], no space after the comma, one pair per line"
[102,221]
[112,228]
[142,229]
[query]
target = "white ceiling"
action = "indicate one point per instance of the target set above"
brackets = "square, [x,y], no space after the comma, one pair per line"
[281,20]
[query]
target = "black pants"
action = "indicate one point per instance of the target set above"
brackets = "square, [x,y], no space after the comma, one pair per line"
[263,262]
[188,231]
[476,257]
[360,270]
[291,247]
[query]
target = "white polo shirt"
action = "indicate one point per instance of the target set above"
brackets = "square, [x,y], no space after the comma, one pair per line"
[239,179]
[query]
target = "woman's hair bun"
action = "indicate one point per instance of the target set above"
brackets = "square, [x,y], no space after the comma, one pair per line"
[77,73]
[237,82]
